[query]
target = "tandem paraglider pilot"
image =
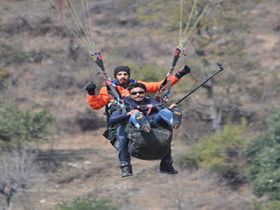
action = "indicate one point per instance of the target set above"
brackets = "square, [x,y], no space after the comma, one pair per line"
[124,133]
[144,115]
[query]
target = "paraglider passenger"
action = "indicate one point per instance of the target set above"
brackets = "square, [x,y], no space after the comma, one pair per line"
[143,112]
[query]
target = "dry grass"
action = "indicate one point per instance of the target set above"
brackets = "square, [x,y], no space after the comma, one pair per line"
[93,168]
[57,83]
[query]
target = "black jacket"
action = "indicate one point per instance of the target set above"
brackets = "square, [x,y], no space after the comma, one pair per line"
[148,106]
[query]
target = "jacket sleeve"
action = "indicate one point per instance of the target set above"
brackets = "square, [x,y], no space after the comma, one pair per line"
[118,117]
[99,101]
[153,87]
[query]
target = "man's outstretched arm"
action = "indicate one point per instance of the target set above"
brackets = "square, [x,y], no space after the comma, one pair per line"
[153,87]
[96,101]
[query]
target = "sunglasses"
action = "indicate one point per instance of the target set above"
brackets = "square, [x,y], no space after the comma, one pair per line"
[139,92]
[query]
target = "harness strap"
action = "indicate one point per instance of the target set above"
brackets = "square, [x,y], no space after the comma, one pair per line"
[167,92]
[149,111]
[111,87]
[113,91]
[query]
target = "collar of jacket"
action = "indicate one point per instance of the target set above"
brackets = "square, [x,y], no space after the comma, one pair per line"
[147,102]
[130,81]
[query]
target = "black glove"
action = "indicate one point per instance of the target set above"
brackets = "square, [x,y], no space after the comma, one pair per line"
[90,88]
[183,72]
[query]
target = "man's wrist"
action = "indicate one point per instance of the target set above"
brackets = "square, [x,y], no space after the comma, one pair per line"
[183,72]
[178,75]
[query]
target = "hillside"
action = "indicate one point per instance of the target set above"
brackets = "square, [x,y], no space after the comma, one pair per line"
[42,65]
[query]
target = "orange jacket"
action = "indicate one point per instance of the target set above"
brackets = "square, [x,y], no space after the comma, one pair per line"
[101,100]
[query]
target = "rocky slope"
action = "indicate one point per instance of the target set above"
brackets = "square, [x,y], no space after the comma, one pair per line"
[35,53]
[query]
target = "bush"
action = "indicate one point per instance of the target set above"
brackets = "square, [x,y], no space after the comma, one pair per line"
[4,75]
[17,126]
[264,159]
[87,204]
[273,205]
[149,73]
[218,152]
[89,121]
[10,55]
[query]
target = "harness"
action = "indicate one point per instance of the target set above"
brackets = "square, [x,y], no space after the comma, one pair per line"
[114,105]
[146,109]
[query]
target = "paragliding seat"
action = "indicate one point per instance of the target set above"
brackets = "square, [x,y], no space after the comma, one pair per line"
[147,146]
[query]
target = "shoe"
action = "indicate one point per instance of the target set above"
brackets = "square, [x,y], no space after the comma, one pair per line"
[177,118]
[167,168]
[126,170]
[144,124]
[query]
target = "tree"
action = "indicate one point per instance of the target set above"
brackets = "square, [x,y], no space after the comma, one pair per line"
[18,172]
[87,203]
[18,126]
[263,160]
